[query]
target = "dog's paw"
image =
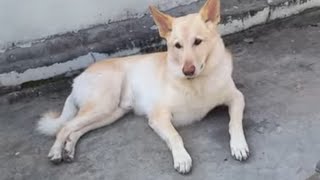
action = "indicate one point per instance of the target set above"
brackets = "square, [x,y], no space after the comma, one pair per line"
[68,152]
[239,149]
[55,156]
[68,156]
[182,161]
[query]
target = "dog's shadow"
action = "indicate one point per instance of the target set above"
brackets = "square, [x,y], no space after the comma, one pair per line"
[213,126]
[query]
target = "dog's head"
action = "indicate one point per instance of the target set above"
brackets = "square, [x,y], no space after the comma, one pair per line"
[190,38]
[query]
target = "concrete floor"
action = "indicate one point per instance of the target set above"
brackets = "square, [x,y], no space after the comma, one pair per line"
[279,73]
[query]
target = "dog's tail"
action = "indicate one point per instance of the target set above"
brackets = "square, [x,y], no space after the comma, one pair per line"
[51,122]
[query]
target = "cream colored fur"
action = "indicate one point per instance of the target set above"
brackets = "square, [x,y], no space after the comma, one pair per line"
[156,85]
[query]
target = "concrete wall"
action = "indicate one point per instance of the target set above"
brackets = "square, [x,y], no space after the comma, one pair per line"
[25,20]
[44,39]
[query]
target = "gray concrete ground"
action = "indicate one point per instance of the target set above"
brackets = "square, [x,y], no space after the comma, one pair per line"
[279,73]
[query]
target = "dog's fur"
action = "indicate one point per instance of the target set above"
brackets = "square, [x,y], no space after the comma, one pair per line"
[176,87]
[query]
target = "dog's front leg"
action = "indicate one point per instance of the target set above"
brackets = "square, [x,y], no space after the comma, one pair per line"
[238,144]
[160,122]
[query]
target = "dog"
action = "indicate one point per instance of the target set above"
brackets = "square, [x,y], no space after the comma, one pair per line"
[171,88]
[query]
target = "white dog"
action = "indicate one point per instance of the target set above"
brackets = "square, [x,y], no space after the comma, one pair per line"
[176,87]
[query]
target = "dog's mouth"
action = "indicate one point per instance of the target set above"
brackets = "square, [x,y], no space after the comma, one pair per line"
[190,77]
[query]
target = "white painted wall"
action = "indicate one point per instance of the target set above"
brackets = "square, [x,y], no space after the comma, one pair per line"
[26,20]
[29,22]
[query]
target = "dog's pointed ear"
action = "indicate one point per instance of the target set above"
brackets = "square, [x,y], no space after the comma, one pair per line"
[210,12]
[163,21]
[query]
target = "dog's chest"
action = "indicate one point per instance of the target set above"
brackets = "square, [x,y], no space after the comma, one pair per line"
[186,111]
[186,102]
[192,104]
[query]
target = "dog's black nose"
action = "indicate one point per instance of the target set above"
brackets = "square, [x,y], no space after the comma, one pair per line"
[189,69]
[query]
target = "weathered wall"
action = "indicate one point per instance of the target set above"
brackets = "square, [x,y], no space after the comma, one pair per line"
[22,21]
[78,42]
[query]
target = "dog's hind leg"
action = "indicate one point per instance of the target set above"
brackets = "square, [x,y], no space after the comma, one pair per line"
[89,113]
[84,118]
[95,100]
[69,149]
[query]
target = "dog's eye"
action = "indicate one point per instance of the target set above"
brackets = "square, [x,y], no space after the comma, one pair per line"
[197,42]
[178,45]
